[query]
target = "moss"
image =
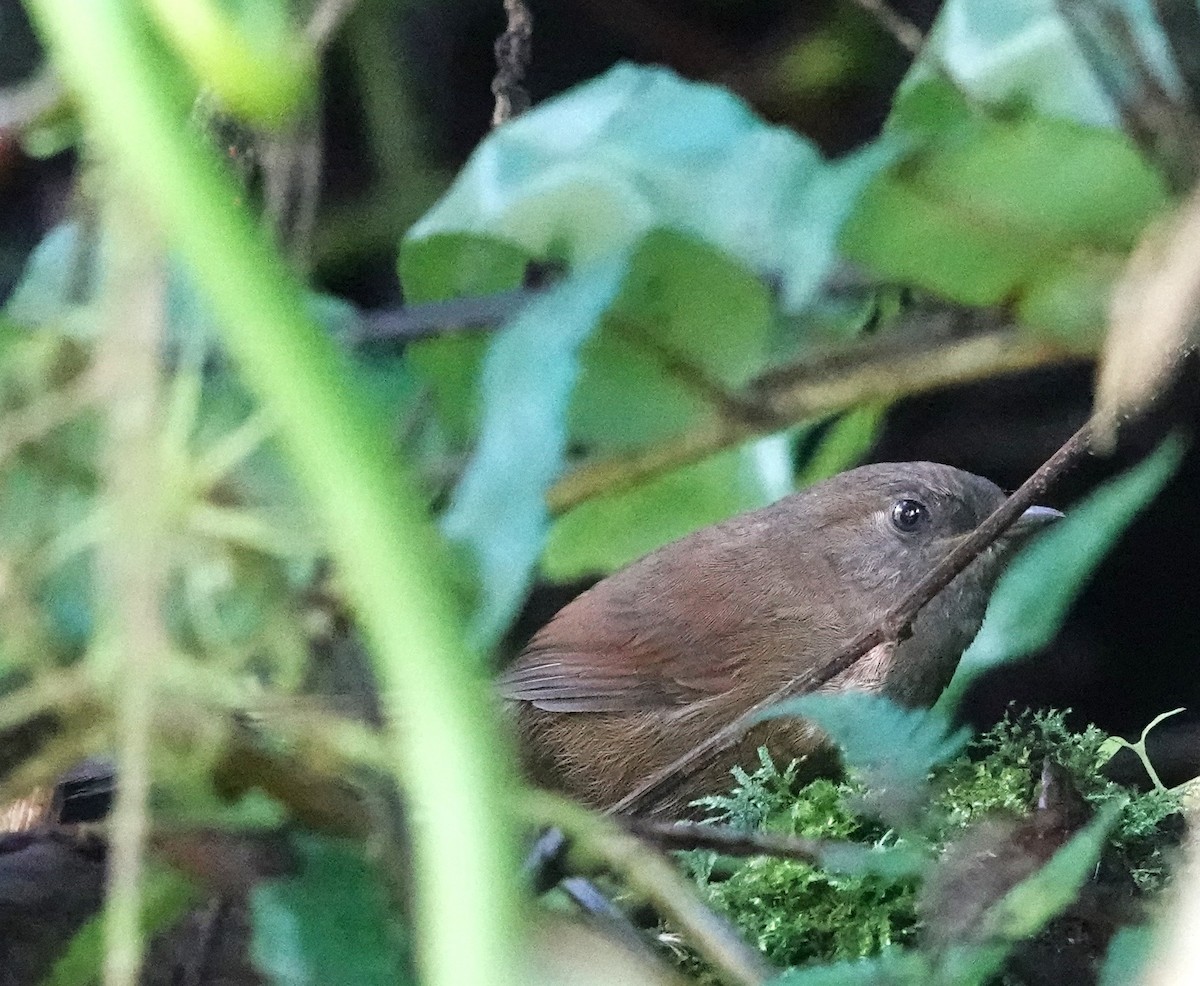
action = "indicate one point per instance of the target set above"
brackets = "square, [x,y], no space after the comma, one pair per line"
[799,913]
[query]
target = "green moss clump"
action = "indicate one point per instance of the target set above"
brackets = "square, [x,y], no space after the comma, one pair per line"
[800,913]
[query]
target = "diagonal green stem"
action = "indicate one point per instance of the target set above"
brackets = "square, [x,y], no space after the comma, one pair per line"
[449,749]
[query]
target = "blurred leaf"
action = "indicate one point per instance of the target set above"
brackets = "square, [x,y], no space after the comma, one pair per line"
[166,895]
[453,265]
[330,924]
[1023,53]
[895,968]
[498,511]
[984,211]
[1127,955]
[246,51]
[1070,304]
[891,748]
[1153,321]
[1030,904]
[636,149]
[603,534]
[1037,589]
[57,291]
[898,862]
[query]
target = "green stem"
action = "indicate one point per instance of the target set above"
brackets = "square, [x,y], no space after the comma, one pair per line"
[133,563]
[449,749]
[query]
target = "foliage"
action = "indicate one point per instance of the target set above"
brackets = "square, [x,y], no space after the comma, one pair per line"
[329,922]
[801,913]
[689,252]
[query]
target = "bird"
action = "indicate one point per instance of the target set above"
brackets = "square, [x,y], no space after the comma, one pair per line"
[655,658]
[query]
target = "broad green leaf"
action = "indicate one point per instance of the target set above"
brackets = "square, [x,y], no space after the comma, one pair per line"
[603,534]
[1035,593]
[876,734]
[1024,53]
[498,510]
[1069,304]
[328,924]
[893,968]
[985,212]
[843,446]
[637,149]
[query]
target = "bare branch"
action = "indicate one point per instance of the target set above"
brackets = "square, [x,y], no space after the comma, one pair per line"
[906,33]
[878,370]
[431,319]
[513,53]
[892,628]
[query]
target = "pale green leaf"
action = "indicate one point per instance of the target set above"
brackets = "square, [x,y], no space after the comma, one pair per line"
[595,169]
[1023,52]
[498,510]
[875,733]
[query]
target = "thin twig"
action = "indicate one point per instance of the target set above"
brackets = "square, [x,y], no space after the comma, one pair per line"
[890,629]
[513,53]
[875,371]
[432,319]
[906,33]
[647,871]
[726,840]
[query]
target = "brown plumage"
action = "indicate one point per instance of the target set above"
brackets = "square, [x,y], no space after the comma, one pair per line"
[653,659]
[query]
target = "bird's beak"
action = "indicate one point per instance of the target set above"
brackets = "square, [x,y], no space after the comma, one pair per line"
[1032,521]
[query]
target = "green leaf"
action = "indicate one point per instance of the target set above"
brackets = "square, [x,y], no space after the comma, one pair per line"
[1069,303]
[1127,955]
[894,968]
[848,439]
[1024,53]
[498,510]
[330,924]
[454,265]
[688,326]
[985,211]
[1026,908]
[605,533]
[637,149]
[893,749]
[1036,591]
[166,895]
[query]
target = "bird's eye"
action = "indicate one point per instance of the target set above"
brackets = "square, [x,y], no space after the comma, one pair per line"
[909,515]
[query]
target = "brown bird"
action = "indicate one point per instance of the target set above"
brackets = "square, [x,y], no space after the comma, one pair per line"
[655,658]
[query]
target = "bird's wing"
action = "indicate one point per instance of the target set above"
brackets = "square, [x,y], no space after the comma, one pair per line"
[623,646]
